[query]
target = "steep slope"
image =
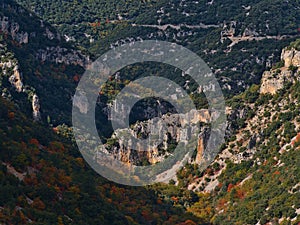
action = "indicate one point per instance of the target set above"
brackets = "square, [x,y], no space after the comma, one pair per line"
[37,62]
[255,179]
[43,180]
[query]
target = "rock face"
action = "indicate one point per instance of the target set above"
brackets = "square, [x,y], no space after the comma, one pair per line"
[36,108]
[228,30]
[291,57]
[14,75]
[62,55]
[10,27]
[16,79]
[202,142]
[13,28]
[166,132]
[9,68]
[274,80]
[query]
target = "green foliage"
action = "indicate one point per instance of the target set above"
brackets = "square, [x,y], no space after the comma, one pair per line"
[80,19]
[61,185]
[60,188]
[295,45]
[293,68]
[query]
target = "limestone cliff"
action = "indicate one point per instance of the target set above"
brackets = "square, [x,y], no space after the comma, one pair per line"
[62,55]
[36,108]
[13,28]
[9,69]
[291,56]
[274,80]
[16,80]
[168,132]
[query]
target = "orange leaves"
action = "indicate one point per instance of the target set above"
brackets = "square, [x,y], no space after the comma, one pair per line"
[230,186]
[241,194]
[221,203]
[220,185]
[114,190]
[55,177]
[34,141]
[19,214]
[56,146]
[11,115]
[60,221]
[80,162]
[31,180]
[75,189]
[174,199]
[297,140]
[76,78]
[238,191]
[189,222]
[146,214]
[38,204]
[63,179]
[159,201]
[96,24]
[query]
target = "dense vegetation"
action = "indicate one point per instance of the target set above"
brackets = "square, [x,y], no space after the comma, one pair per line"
[43,178]
[56,186]
[266,187]
[97,25]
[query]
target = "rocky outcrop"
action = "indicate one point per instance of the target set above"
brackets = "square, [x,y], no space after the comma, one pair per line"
[9,68]
[290,57]
[49,34]
[9,26]
[233,115]
[202,143]
[250,33]
[62,55]
[13,28]
[36,108]
[145,112]
[162,136]
[275,79]
[16,79]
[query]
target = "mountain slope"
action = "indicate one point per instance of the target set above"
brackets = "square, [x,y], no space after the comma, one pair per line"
[255,179]
[239,39]
[43,178]
[44,63]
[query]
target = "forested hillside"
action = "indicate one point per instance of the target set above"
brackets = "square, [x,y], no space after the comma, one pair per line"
[251,45]
[239,39]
